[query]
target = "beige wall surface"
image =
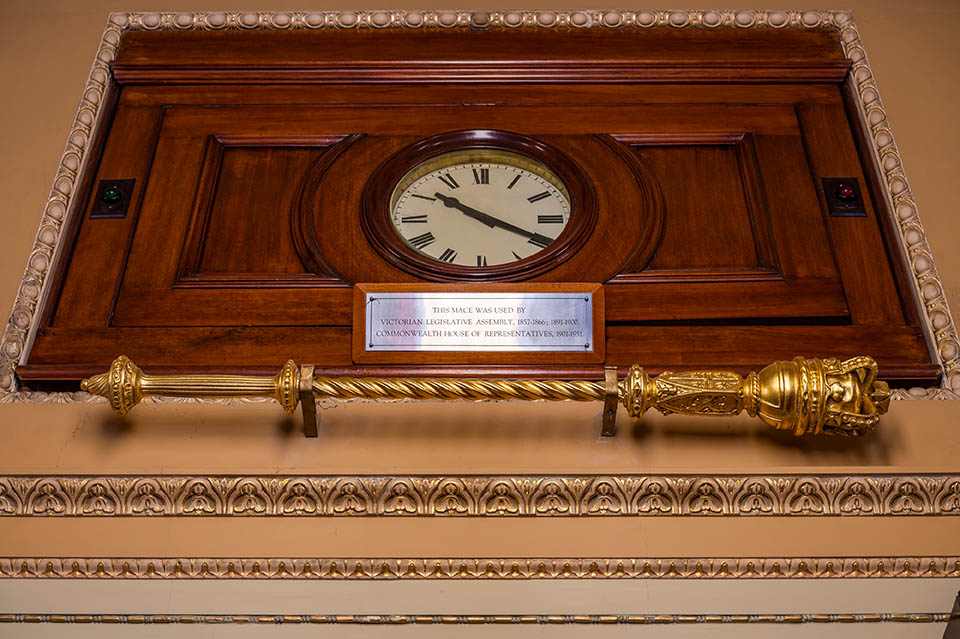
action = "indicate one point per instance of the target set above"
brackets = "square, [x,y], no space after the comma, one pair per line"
[46,49]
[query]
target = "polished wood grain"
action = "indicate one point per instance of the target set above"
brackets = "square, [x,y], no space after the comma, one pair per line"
[159,95]
[871,292]
[253,151]
[302,231]
[738,247]
[910,303]
[90,282]
[494,55]
[241,231]
[713,298]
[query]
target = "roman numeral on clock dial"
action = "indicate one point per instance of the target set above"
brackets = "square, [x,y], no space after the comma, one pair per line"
[539,196]
[421,241]
[540,240]
[448,180]
[471,214]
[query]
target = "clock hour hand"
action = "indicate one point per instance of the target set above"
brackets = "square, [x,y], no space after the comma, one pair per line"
[489,220]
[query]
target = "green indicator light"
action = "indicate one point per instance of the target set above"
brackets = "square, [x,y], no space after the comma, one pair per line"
[112,195]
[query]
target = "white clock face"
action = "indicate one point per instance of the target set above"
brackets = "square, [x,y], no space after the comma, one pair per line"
[479,207]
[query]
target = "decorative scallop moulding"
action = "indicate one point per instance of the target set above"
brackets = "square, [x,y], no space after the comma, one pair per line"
[912,242]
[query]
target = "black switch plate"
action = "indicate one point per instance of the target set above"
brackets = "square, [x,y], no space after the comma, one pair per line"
[112,198]
[843,197]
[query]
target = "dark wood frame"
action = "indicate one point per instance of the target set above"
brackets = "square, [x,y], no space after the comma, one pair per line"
[162,73]
[301,223]
[375,207]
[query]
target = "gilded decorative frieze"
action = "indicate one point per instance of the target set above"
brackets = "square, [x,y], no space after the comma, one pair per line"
[480,496]
[340,569]
[553,620]
[911,242]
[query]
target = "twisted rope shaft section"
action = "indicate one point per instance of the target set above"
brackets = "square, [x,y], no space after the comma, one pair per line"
[449,389]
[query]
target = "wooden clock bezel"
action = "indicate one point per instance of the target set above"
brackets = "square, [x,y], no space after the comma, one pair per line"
[375,209]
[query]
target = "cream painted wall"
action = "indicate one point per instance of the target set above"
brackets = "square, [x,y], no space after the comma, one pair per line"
[45,53]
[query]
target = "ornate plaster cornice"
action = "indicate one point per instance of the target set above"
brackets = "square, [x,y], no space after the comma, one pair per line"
[479,496]
[473,620]
[911,241]
[510,568]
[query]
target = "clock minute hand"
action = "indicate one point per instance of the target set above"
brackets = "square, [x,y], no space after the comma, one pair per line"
[454,203]
[489,220]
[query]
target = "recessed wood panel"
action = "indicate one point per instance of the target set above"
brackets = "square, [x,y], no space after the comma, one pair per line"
[246,231]
[715,224]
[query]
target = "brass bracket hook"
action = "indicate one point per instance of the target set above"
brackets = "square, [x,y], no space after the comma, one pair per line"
[308,403]
[611,396]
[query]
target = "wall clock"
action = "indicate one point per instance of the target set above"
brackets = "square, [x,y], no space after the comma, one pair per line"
[478,205]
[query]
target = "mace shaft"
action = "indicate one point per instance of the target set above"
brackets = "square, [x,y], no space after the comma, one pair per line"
[801,395]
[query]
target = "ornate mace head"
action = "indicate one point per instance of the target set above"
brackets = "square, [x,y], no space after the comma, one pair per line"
[821,396]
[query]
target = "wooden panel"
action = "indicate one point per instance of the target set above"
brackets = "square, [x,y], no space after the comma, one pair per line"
[564,119]
[717,225]
[99,256]
[234,306]
[887,218]
[495,55]
[867,276]
[435,94]
[900,351]
[796,219]
[176,348]
[187,221]
[720,225]
[246,231]
[252,150]
[719,256]
[670,301]
[348,250]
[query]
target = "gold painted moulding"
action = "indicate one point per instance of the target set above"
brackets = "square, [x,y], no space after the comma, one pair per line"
[911,241]
[353,568]
[473,620]
[480,496]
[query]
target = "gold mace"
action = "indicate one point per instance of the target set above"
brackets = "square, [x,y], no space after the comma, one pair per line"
[803,395]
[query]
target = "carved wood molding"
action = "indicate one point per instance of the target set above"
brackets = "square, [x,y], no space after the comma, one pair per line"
[912,243]
[480,496]
[511,568]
